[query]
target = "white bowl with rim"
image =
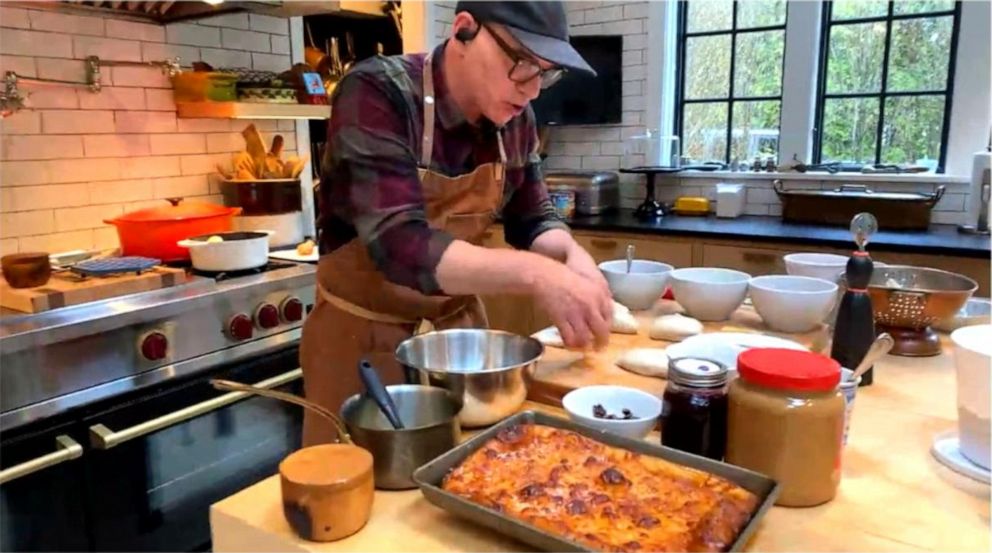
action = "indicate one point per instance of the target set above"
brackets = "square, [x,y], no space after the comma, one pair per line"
[645,407]
[789,303]
[828,266]
[641,287]
[709,293]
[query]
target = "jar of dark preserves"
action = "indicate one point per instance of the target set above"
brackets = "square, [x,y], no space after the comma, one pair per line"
[694,407]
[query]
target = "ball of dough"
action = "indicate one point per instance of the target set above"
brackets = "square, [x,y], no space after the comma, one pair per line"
[214,239]
[645,361]
[624,321]
[675,328]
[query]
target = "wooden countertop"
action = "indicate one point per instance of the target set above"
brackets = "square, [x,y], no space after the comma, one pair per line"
[893,496]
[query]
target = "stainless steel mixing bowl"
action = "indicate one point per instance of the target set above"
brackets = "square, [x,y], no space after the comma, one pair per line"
[487,369]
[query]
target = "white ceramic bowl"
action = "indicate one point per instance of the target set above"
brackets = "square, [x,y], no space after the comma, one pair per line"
[972,355]
[641,287]
[828,266]
[789,303]
[645,407]
[709,293]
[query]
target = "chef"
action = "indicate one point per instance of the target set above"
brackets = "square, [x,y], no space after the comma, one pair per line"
[423,153]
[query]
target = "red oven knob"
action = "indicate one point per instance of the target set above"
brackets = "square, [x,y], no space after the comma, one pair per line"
[154,346]
[240,327]
[267,316]
[292,310]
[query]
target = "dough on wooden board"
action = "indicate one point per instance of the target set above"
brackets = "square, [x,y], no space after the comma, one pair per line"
[550,337]
[674,328]
[645,361]
[623,320]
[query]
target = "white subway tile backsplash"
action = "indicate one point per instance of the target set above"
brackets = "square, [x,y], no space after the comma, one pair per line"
[8,246]
[145,77]
[761,196]
[49,196]
[280,44]
[77,121]
[268,24]
[949,218]
[156,51]
[630,26]
[40,146]
[125,191]
[49,97]
[951,202]
[14,18]
[116,145]
[636,42]
[582,148]
[245,40]
[153,166]
[20,173]
[575,17]
[587,29]
[634,73]
[270,62]
[287,125]
[600,15]
[226,58]
[225,142]
[133,30]
[563,162]
[112,97]
[62,241]
[21,122]
[632,88]
[601,162]
[30,43]
[756,209]
[89,217]
[203,164]
[192,35]
[611,148]
[63,69]
[203,125]
[22,65]
[633,103]
[172,144]
[180,187]
[145,121]
[159,99]
[775,210]
[44,20]
[83,170]
[233,20]
[106,48]
[632,57]
[635,10]
[105,238]
[25,223]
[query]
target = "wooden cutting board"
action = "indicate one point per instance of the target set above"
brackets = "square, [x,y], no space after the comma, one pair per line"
[65,289]
[560,371]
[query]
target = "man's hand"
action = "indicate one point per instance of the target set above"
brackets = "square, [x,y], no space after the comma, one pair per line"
[581,263]
[575,304]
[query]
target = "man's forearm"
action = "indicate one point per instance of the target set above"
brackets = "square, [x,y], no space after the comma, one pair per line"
[468,269]
[555,243]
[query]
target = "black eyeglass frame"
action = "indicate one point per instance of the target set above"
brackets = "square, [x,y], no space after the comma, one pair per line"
[548,76]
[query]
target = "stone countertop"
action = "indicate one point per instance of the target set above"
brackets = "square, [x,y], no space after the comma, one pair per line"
[938,240]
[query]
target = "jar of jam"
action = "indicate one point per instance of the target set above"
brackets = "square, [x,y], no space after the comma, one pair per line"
[786,420]
[694,407]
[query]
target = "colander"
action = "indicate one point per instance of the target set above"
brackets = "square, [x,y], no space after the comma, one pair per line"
[906,300]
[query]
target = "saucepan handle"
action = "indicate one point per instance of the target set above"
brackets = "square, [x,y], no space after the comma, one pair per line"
[374,387]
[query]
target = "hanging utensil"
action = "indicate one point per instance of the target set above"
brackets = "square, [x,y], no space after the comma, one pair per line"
[378,392]
[881,346]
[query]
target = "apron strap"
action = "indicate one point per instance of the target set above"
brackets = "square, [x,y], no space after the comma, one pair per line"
[427,141]
[421,325]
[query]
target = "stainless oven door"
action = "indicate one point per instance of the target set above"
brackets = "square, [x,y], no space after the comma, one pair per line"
[159,461]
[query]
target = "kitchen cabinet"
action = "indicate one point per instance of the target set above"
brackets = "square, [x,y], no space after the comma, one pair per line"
[604,246]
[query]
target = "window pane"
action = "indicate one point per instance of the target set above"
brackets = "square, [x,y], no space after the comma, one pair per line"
[921,49]
[760,13]
[850,126]
[855,59]
[758,71]
[755,131]
[854,9]
[707,67]
[710,15]
[704,127]
[911,133]
[922,6]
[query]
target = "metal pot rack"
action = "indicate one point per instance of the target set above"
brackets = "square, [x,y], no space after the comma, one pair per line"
[11,100]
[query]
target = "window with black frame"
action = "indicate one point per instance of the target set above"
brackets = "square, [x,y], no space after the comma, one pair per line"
[730,79]
[886,79]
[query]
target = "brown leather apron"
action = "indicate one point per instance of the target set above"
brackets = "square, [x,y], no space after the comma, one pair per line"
[359,314]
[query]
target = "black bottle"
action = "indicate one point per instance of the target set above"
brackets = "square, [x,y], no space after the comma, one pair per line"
[854,330]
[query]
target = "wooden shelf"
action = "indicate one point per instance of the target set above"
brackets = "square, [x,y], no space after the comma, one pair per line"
[248,110]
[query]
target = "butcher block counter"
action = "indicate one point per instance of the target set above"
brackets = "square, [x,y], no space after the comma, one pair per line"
[893,496]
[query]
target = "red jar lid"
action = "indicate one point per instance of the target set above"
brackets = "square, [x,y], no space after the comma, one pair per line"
[789,369]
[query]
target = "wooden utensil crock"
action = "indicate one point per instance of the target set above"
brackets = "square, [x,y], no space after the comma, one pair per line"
[327,489]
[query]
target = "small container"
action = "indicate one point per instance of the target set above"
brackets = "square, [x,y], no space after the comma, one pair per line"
[694,407]
[564,202]
[786,420]
[730,200]
[26,270]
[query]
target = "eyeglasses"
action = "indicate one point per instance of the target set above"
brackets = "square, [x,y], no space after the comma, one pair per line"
[524,69]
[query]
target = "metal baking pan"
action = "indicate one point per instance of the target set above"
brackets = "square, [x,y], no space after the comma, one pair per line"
[429,478]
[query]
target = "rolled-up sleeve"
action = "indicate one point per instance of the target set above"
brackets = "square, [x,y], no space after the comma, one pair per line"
[372,172]
[529,212]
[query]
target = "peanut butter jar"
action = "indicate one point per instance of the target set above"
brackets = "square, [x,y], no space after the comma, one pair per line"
[786,420]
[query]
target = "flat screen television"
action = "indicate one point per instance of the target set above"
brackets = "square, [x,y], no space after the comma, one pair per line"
[579,99]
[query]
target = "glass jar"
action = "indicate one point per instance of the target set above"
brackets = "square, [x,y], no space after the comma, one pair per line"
[694,407]
[786,420]
[651,149]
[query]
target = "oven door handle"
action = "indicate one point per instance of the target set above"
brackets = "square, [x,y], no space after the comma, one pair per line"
[102,437]
[67,449]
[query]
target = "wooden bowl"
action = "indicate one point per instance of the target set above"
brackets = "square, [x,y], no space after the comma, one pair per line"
[26,270]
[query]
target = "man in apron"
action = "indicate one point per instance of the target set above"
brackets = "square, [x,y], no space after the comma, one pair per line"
[423,153]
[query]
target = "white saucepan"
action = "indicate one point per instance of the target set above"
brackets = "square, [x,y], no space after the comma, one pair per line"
[228,251]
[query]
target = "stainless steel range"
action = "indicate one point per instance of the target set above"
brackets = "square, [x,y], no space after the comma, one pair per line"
[110,432]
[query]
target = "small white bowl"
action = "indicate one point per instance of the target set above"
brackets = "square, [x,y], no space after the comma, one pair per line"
[790,303]
[709,293]
[641,287]
[645,407]
[828,266]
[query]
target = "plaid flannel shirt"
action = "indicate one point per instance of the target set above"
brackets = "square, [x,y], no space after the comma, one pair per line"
[370,188]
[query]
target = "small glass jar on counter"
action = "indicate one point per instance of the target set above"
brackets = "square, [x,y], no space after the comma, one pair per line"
[786,420]
[694,407]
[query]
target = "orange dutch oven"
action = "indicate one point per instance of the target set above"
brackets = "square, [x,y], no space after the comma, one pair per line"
[154,232]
